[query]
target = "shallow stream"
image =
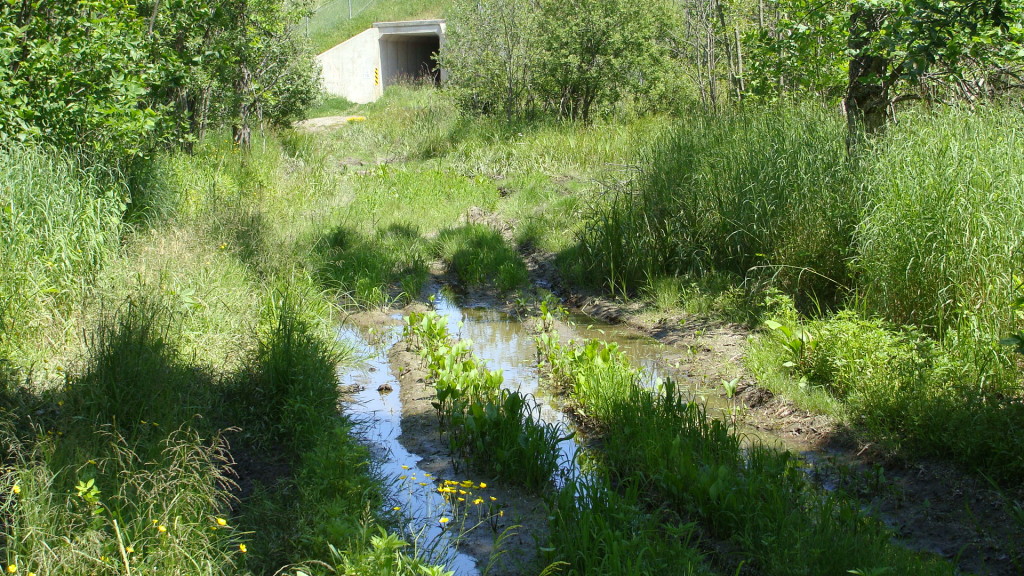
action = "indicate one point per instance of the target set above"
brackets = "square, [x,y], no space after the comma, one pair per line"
[506,343]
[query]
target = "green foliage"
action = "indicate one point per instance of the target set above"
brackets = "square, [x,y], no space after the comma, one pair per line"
[596,52]
[499,431]
[804,52]
[696,467]
[479,255]
[900,387]
[517,59]
[111,77]
[74,74]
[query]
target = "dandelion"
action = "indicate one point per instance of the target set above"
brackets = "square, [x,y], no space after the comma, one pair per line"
[242,548]
[222,522]
[16,489]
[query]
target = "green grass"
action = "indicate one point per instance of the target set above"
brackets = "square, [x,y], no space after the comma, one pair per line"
[60,222]
[203,320]
[478,255]
[668,450]
[330,25]
[761,194]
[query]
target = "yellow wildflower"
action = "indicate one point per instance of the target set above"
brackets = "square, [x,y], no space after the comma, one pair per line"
[16,489]
[444,520]
[129,550]
[222,522]
[397,508]
[404,467]
[478,501]
[242,548]
[162,528]
[12,568]
[483,485]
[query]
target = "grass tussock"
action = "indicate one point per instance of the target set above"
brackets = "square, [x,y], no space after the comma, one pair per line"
[478,255]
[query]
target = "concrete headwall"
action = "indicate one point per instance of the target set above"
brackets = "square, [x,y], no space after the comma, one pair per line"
[360,68]
[349,68]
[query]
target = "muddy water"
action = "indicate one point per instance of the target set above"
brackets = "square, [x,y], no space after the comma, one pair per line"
[506,343]
[378,417]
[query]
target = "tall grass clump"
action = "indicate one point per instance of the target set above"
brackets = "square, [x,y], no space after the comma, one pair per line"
[287,394]
[59,221]
[119,512]
[479,256]
[761,193]
[940,241]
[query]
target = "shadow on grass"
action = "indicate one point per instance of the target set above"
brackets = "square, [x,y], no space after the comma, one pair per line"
[371,269]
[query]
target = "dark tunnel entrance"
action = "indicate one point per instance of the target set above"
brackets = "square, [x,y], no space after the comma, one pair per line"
[409,57]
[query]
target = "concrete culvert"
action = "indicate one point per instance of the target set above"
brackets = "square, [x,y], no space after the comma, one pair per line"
[362,67]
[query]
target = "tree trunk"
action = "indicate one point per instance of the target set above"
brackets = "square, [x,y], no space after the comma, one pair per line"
[867,92]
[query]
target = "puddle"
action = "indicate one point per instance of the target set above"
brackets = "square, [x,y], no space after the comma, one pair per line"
[506,344]
[378,419]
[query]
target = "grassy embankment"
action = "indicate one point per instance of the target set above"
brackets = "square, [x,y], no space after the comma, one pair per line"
[168,385]
[903,263]
[330,24]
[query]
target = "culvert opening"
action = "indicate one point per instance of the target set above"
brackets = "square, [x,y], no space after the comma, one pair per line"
[409,57]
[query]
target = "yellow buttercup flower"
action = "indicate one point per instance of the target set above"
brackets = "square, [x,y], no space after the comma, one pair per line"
[16,489]
[478,501]
[162,528]
[222,522]
[12,568]
[444,520]
[242,548]
[483,485]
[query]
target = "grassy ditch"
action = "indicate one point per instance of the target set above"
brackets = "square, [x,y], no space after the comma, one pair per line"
[168,392]
[594,528]
[750,497]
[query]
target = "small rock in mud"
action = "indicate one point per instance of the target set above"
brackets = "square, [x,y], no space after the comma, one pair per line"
[385,388]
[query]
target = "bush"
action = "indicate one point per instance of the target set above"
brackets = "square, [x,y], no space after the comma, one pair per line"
[570,59]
